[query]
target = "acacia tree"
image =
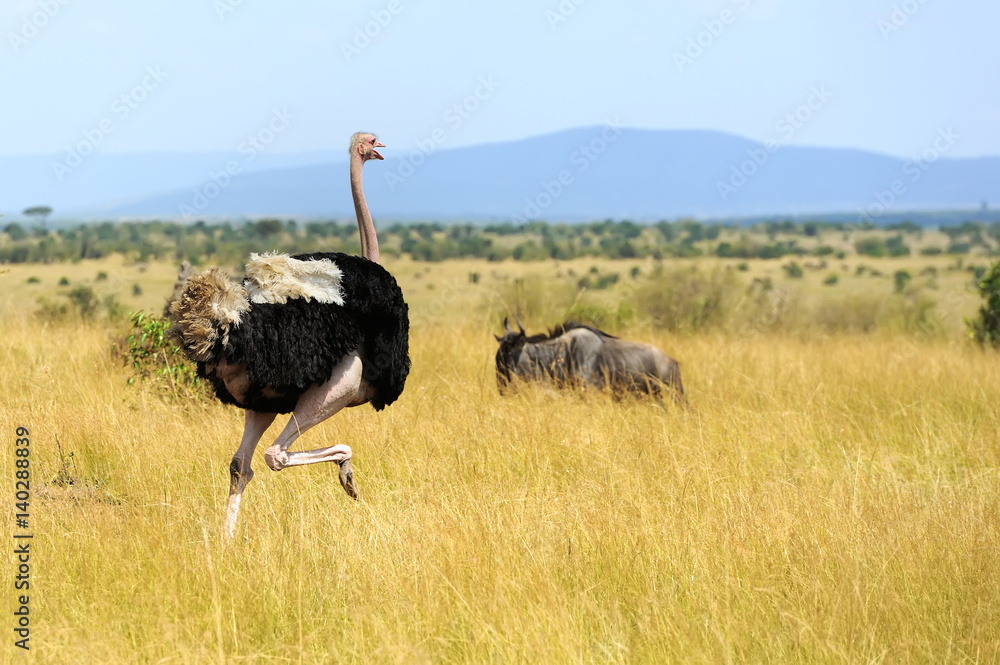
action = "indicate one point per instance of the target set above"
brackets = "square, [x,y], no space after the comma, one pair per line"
[39,213]
[985,329]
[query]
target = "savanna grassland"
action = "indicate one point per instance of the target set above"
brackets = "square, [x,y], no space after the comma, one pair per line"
[830,495]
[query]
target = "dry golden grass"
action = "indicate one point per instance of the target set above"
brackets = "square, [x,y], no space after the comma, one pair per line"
[832,500]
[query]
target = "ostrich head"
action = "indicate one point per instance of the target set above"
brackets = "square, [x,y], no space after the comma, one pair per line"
[364,144]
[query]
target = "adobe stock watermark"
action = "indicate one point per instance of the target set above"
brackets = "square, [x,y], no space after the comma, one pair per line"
[364,35]
[714,28]
[562,13]
[454,117]
[249,148]
[913,170]
[899,17]
[121,108]
[224,7]
[785,128]
[33,24]
[581,158]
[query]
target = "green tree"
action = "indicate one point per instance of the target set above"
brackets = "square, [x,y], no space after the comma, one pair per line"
[15,232]
[896,247]
[268,227]
[985,329]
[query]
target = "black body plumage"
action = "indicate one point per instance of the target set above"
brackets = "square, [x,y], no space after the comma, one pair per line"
[289,347]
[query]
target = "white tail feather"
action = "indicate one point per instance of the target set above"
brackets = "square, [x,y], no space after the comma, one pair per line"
[277,278]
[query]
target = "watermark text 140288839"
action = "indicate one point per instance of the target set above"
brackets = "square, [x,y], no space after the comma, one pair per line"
[22,537]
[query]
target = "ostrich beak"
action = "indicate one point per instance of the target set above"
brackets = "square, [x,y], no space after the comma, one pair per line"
[375,152]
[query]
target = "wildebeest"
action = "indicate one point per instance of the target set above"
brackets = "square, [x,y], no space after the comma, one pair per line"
[574,354]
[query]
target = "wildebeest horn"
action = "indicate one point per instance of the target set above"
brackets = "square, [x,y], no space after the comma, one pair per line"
[506,325]
[520,327]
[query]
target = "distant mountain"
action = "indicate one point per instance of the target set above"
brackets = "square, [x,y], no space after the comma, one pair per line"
[579,174]
[95,184]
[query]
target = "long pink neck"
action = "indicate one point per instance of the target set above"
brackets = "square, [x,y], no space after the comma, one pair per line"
[366,228]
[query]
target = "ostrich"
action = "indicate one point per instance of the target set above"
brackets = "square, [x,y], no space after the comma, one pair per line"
[309,335]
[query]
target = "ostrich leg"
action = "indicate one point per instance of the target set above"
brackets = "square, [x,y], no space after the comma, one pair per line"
[344,388]
[240,472]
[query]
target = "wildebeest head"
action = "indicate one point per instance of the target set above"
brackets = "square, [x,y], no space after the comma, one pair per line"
[511,345]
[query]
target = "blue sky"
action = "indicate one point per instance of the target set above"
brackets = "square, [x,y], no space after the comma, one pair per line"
[203,75]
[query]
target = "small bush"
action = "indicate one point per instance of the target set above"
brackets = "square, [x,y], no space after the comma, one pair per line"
[610,317]
[793,270]
[831,279]
[155,359]
[537,301]
[86,301]
[598,282]
[52,312]
[33,280]
[871,246]
[112,306]
[900,279]
[688,300]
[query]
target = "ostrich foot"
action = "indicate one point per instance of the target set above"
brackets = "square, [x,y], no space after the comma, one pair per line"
[347,479]
[232,510]
[277,459]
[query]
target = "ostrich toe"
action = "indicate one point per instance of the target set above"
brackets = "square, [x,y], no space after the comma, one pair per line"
[347,479]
